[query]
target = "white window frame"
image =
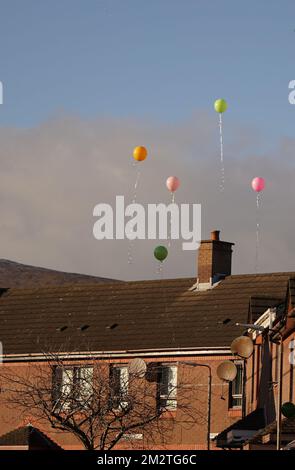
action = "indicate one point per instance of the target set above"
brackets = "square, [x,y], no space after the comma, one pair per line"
[237,396]
[119,398]
[168,391]
[72,377]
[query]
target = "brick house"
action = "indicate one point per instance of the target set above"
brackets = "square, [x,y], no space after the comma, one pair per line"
[269,378]
[268,375]
[164,322]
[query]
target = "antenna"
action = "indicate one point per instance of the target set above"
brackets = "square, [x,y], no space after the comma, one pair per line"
[249,326]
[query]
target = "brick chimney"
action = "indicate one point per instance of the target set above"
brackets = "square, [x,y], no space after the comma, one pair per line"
[214,259]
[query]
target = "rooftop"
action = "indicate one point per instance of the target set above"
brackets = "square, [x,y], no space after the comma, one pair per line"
[133,316]
[28,436]
[13,274]
[268,434]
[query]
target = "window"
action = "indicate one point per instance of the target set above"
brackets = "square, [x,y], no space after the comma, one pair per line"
[119,383]
[236,388]
[72,386]
[167,387]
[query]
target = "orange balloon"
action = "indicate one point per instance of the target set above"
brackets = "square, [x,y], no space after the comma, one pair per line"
[139,153]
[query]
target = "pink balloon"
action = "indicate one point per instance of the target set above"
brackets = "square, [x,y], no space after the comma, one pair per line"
[172,183]
[258,184]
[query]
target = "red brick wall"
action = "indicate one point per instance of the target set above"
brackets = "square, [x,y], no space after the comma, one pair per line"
[214,258]
[181,432]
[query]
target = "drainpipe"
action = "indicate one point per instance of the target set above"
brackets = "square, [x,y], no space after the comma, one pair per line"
[280,388]
[209,406]
[244,389]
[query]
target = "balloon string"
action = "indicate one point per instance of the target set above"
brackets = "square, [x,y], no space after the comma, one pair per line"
[221,154]
[257,232]
[135,187]
[130,244]
[160,269]
[170,220]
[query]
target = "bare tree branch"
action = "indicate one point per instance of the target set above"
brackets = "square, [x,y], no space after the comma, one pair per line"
[83,399]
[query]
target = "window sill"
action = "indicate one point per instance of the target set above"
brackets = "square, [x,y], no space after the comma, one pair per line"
[235,412]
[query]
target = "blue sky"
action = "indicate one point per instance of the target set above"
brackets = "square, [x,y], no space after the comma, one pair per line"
[161,60]
[87,80]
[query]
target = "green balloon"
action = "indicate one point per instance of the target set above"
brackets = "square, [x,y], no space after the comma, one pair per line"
[160,253]
[220,106]
[288,409]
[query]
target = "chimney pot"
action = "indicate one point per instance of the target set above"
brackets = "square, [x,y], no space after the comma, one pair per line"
[215,235]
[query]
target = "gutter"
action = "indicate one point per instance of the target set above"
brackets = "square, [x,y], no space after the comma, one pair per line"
[124,354]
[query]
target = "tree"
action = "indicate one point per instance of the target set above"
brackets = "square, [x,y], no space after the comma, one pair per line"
[98,402]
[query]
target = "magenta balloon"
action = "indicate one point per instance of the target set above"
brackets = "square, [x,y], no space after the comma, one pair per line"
[172,183]
[258,184]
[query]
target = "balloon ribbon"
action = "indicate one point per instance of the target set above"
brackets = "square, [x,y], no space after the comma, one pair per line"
[257,232]
[221,153]
[160,269]
[130,245]
[170,221]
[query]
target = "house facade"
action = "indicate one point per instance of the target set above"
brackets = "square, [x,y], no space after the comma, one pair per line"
[269,378]
[182,328]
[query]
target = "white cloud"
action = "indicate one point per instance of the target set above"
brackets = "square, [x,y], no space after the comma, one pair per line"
[52,176]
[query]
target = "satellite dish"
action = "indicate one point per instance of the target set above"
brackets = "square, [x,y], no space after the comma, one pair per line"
[227,371]
[137,367]
[242,346]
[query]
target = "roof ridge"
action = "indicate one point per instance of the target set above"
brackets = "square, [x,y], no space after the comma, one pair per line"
[97,285]
[278,273]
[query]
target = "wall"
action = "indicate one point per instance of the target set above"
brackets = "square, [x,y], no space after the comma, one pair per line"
[262,376]
[182,430]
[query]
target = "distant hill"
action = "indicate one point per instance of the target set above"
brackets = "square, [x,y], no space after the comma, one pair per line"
[13,274]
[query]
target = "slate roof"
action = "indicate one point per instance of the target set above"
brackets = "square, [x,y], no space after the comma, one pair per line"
[259,304]
[156,314]
[28,436]
[13,274]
